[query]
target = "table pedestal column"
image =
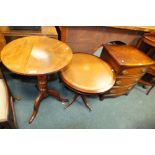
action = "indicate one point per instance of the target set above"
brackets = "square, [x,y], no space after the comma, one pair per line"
[43,93]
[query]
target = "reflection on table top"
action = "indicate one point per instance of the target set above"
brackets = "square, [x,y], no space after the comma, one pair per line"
[36,55]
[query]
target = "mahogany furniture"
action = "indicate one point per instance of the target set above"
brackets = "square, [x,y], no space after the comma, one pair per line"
[37,56]
[7,113]
[149,39]
[129,64]
[87,75]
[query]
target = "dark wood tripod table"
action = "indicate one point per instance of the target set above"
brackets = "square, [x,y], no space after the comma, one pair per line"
[37,56]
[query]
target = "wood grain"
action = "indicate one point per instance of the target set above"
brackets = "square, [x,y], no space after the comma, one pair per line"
[128,55]
[36,55]
[89,74]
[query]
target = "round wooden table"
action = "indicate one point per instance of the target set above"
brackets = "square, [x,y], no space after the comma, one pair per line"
[37,56]
[87,74]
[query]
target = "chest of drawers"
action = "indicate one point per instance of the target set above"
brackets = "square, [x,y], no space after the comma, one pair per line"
[129,64]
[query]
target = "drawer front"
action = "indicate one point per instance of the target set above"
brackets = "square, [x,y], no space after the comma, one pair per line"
[124,81]
[116,90]
[115,95]
[134,71]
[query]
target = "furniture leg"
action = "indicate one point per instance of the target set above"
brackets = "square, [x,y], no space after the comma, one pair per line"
[56,95]
[36,107]
[43,93]
[101,97]
[74,99]
[42,86]
[85,102]
[149,90]
[13,113]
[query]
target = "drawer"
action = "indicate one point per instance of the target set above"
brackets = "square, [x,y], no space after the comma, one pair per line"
[134,71]
[116,90]
[115,95]
[123,81]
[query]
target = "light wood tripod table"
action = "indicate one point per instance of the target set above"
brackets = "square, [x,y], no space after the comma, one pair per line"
[87,74]
[37,56]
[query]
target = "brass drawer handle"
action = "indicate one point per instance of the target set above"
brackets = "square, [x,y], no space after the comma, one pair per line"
[137,79]
[118,82]
[143,70]
[129,88]
[125,72]
[111,91]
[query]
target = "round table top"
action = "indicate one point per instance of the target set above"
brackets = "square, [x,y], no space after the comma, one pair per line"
[36,55]
[88,73]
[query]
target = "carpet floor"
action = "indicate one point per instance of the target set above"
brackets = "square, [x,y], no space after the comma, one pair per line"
[135,111]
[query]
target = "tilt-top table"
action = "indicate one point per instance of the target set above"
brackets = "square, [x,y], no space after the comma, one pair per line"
[87,74]
[37,56]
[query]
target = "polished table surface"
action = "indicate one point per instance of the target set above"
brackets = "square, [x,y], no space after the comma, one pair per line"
[88,73]
[36,55]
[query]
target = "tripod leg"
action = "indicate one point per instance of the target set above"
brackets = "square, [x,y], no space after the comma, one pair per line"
[36,106]
[85,102]
[74,99]
[56,95]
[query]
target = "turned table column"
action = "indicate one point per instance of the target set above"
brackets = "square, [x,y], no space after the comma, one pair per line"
[43,93]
